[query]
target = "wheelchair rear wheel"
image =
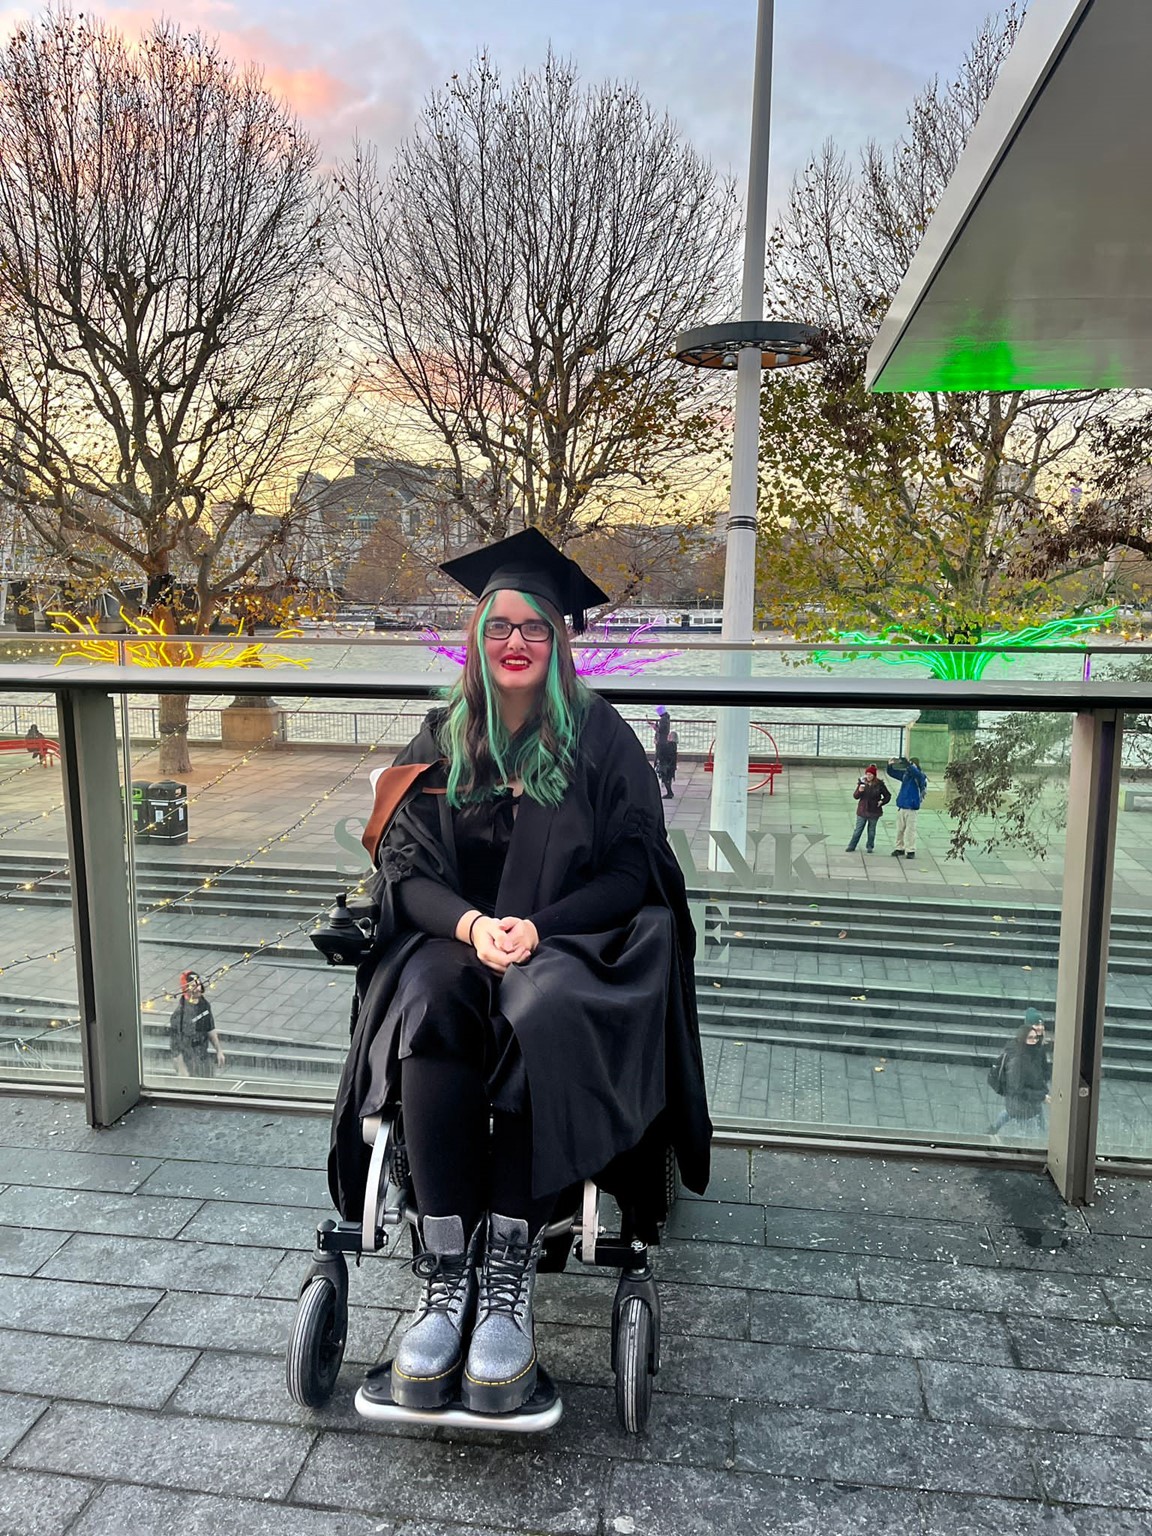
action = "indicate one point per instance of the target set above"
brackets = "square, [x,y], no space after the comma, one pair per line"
[316,1345]
[635,1343]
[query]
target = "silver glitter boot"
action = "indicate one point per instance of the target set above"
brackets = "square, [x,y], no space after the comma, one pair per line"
[426,1369]
[500,1372]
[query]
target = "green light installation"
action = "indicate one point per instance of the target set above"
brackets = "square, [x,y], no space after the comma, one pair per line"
[895,647]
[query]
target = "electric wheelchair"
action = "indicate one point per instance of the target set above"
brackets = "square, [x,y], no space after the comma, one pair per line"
[319,1330]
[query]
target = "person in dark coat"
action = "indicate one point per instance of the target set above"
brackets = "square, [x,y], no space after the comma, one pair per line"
[871,796]
[665,759]
[192,1036]
[530,998]
[1024,1074]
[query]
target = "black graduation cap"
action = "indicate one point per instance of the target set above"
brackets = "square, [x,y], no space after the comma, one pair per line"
[527,562]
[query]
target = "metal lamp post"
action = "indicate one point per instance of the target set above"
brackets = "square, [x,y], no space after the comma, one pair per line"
[748,346]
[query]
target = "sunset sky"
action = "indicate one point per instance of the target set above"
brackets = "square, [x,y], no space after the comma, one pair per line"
[844,68]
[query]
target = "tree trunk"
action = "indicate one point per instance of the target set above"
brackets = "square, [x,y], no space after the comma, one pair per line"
[174,756]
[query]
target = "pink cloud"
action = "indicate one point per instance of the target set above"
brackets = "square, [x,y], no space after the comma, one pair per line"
[366,85]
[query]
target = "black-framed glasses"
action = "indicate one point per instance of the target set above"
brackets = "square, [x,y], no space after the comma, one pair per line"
[533,630]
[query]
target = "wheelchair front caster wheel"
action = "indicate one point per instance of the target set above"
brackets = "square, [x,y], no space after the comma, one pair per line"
[635,1352]
[316,1345]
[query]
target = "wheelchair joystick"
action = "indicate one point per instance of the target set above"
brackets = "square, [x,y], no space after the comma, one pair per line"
[345,938]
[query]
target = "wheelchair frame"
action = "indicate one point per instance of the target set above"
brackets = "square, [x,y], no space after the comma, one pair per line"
[319,1331]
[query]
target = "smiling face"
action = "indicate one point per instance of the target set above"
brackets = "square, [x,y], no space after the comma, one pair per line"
[518,665]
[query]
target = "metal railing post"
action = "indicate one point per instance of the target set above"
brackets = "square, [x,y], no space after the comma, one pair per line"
[1082,974]
[101,906]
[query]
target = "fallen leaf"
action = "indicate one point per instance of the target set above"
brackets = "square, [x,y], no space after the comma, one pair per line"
[816,923]
[843,933]
[863,998]
[880,1068]
[1025,967]
[997,919]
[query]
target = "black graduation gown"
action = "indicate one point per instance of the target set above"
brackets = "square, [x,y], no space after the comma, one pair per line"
[608,1090]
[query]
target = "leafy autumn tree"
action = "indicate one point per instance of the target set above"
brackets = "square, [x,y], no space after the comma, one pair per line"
[905,512]
[161,323]
[514,282]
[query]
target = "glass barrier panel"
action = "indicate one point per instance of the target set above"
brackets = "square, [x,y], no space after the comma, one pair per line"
[236,859]
[39,1010]
[856,990]
[1125,1113]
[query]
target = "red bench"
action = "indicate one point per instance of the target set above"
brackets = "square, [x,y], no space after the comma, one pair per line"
[42,747]
[762,769]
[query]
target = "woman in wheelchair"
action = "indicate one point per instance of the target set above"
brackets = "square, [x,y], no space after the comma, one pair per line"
[529,1000]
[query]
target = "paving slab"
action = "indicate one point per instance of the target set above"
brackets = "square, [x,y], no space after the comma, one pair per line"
[773,1269]
[711,1221]
[24,1249]
[1073,1252]
[256,1226]
[884,1235]
[256,1325]
[74,1308]
[76,1210]
[948,1515]
[163,1512]
[1028,1399]
[1090,1349]
[541,1491]
[37,1504]
[235,1386]
[977,1289]
[910,1333]
[1080,1469]
[242,1182]
[76,1170]
[876,1450]
[173,1264]
[690,1501]
[17,1415]
[101,1371]
[165,1450]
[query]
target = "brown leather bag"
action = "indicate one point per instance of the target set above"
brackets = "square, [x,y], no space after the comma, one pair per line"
[391,787]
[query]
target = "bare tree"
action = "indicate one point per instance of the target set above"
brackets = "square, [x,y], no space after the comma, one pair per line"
[913,512]
[515,282]
[160,317]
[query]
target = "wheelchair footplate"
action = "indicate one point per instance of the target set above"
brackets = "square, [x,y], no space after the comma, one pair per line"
[542,1410]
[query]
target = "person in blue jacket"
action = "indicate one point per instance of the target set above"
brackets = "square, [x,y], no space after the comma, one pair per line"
[909,798]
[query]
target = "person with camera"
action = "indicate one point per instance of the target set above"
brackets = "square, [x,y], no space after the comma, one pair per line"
[871,796]
[909,798]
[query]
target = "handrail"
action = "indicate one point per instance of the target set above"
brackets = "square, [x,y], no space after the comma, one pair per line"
[1059,697]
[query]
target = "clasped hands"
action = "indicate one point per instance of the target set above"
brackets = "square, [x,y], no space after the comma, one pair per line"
[498,941]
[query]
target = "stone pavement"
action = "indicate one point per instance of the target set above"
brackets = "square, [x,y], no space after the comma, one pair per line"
[851,1347]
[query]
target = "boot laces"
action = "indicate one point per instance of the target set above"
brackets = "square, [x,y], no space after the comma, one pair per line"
[442,1277]
[505,1280]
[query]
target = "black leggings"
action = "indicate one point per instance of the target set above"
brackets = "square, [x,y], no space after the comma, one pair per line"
[466,1158]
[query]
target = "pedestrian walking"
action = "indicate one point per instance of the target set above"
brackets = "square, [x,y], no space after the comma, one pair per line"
[871,796]
[1021,1076]
[909,798]
[667,750]
[192,1037]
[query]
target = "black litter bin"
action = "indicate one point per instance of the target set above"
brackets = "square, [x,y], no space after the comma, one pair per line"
[141,813]
[168,812]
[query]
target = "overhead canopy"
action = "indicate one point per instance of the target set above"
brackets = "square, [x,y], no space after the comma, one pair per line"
[1035,271]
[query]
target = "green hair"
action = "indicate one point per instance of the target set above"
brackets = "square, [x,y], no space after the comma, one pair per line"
[483,755]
